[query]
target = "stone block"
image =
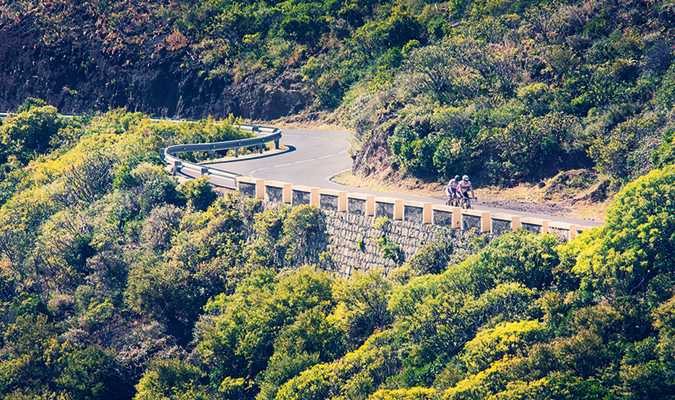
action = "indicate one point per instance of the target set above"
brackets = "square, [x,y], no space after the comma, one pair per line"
[388,207]
[559,229]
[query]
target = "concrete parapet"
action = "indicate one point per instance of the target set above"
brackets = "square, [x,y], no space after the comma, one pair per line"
[251,187]
[473,219]
[278,192]
[562,229]
[416,211]
[412,212]
[502,223]
[515,222]
[314,196]
[361,204]
[333,200]
[534,225]
[388,207]
[446,216]
[301,195]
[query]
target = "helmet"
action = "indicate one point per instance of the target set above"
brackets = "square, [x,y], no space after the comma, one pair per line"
[456,177]
[465,177]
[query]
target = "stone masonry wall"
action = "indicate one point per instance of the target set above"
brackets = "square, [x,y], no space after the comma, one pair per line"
[352,241]
[353,245]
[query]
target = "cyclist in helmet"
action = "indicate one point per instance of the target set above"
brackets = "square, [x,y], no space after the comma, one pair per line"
[464,188]
[451,189]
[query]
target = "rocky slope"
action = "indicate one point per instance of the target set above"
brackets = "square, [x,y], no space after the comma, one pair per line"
[82,58]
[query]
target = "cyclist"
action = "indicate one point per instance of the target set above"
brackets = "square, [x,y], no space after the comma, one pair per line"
[463,189]
[451,189]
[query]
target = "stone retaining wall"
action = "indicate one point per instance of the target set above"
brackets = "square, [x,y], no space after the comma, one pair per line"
[353,241]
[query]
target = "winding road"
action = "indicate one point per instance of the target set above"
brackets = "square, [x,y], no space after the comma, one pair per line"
[314,156]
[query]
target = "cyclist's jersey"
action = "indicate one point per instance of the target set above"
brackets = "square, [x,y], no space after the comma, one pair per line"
[464,186]
[452,186]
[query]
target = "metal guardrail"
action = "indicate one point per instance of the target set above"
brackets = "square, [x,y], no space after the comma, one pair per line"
[168,154]
[178,164]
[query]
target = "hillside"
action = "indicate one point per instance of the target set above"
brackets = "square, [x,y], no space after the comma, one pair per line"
[116,282]
[138,54]
[508,92]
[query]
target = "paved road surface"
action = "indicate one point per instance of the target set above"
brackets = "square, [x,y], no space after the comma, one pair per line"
[314,156]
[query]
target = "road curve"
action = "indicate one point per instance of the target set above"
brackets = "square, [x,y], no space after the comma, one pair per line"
[314,156]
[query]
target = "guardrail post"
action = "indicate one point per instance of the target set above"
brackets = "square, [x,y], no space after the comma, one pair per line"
[398,209]
[314,196]
[427,213]
[276,144]
[485,221]
[515,222]
[204,171]
[370,205]
[456,217]
[176,166]
[211,154]
[260,189]
[236,152]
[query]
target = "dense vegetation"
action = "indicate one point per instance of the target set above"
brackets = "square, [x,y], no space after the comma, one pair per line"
[506,91]
[117,282]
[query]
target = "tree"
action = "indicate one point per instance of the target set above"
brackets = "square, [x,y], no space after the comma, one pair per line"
[161,225]
[362,305]
[30,353]
[239,339]
[505,339]
[171,379]
[637,241]
[86,181]
[85,373]
[198,193]
[29,132]
[304,236]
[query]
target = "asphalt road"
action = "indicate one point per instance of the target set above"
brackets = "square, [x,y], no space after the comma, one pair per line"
[314,156]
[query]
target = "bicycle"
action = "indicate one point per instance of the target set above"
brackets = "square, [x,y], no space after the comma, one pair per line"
[465,202]
[453,201]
